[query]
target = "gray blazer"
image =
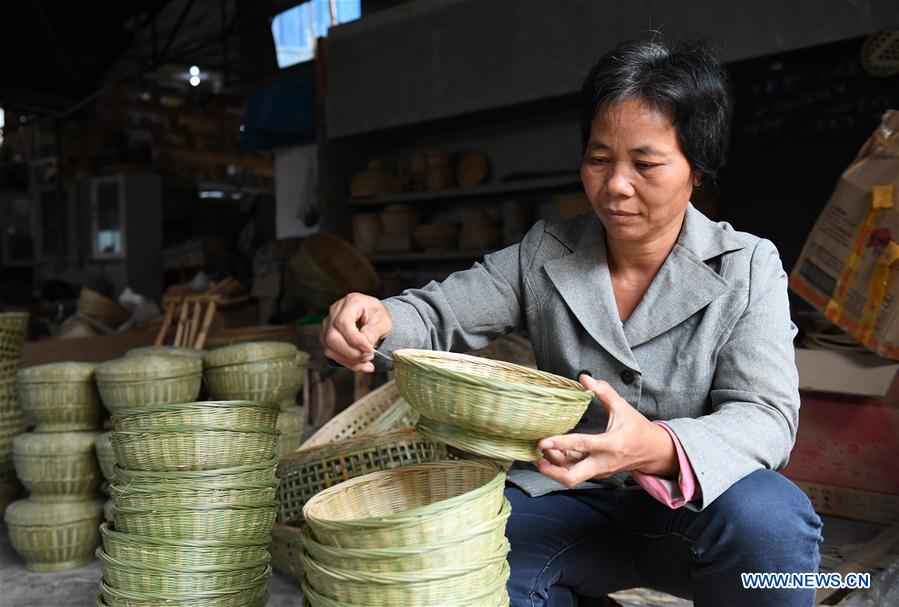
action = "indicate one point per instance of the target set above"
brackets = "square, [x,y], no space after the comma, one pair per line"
[709,348]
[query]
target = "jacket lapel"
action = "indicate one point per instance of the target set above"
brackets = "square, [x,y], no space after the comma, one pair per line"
[684,284]
[582,279]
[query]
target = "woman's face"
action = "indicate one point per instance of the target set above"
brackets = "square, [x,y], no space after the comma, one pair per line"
[634,172]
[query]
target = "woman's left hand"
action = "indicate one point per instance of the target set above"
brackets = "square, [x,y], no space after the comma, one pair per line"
[630,442]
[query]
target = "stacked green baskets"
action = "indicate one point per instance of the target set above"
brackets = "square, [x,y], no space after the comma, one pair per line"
[56,527]
[265,371]
[13,327]
[426,535]
[193,493]
[138,381]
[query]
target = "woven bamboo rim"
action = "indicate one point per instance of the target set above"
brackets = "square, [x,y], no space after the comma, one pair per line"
[183,495]
[407,506]
[257,599]
[494,594]
[150,550]
[242,595]
[306,472]
[234,474]
[357,417]
[489,396]
[479,542]
[123,395]
[134,577]
[102,555]
[492,447]
[453,589]
[193,447]
[220,414]
[198,521]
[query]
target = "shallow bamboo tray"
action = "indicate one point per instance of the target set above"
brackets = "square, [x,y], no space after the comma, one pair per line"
[407,506]
[357,417]
[209,493]
[246,595]
[262,471]
[199,522]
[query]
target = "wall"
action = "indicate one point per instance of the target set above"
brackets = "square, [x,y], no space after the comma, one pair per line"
[430,59]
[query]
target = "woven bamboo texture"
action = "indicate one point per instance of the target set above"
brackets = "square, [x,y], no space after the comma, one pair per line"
[357,417]
[310,470]
[102,308]
[56,546]
[450,585]
[218,414]
[165,351]
[494,595]
[493,447]
[13,330]
[105,454]
[73,476]
[201,522]
[148,550]
[286,548]
[262,471]
[291,425]
[137,495]
[478,543]
[487,396]
[407,506]
[117,395]
[265,381]
[61,406]
[193,448]
[246,595]
[158,579]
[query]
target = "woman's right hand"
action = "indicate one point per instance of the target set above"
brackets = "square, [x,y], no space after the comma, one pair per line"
[354,327]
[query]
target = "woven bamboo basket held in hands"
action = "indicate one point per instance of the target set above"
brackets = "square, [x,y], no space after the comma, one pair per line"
[139,381]
[57,466]
[60,397]
[492,408]
[54,536]
[407,506]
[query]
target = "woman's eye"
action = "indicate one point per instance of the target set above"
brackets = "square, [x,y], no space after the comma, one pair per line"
[599,161]
[645,165]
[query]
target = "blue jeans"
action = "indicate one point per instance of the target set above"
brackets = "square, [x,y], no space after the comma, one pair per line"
[570,548]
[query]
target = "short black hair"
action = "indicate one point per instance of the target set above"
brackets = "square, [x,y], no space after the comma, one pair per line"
[685,80]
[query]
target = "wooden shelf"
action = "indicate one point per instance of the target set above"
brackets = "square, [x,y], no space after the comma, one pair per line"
[414,256]
[491,189]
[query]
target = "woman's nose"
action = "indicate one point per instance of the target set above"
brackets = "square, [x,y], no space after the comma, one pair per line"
[619,183]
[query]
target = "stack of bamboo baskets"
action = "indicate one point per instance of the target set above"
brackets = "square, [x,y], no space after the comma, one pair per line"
[56,527]
[13,327]
[264,372]
[193,504]
[417,536]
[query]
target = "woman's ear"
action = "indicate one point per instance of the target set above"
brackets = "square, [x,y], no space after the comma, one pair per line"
[697,180]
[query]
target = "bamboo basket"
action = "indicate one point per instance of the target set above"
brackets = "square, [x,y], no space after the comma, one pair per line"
[245,473]
[449,585]
[61,465]
[311,470]
[267,380]
[54,536]
[60,397]
[357,417]
[13,330]
[328,267]
[291,425]
[407,506]
[223,415]
[100,307]
[494,596]
[478,543]
[105,454]
[239,335]
[193,448]
[286,548]
[166,351]
[218,494]
[159,579]
[511,405]
[138,381]
[148,550]
[199,522]
[246,595]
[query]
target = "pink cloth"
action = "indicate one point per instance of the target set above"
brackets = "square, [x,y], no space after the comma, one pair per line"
[665,490]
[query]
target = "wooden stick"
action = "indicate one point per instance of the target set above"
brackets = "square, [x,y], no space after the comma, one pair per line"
[182,320]
[195,323]
[207,322]
[169,314]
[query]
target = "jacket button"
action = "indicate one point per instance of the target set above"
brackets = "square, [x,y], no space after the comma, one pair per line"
[627,376]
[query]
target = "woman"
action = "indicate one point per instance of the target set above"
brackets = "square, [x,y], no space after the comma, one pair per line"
[669,480]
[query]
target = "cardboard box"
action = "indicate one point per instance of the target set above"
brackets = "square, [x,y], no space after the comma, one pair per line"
[852,503]
[847,266]
[848,422]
